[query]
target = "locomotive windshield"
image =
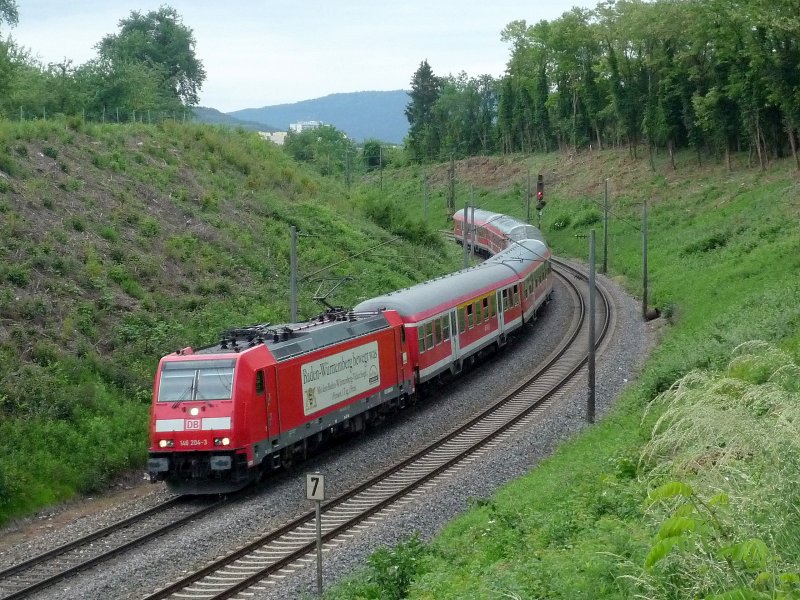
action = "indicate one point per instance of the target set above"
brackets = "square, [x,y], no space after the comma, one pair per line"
[189,380]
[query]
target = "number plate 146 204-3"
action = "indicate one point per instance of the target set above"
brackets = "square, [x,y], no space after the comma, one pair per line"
[188,443]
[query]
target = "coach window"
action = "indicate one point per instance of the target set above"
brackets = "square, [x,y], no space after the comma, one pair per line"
[421,336]
[516,295]
[470,315]
[428,336]
[437,331]
[492,306]
[462,320]
[505,300]
[445,329]
[486,309]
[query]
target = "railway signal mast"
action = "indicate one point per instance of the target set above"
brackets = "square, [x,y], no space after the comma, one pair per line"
[540,203]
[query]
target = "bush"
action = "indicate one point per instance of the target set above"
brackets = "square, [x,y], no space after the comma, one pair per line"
[586,218]
[149,227]
[18,274]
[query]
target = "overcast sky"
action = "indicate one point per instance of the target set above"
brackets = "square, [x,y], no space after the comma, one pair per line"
[262,53]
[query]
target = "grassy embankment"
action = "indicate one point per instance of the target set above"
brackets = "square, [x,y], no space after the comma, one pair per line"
[119,244]
[688,491]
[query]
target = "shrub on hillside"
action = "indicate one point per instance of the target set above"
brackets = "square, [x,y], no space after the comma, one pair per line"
[728,449]
[392,217]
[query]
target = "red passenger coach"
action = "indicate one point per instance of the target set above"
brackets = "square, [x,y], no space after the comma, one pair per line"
[222,415]
[456,316]
[493,231]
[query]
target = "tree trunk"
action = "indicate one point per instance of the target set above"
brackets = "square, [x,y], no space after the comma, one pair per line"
[793,144]
[758,144]
[671,150]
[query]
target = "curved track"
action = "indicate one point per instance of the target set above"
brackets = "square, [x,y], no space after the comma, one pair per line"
[276,553]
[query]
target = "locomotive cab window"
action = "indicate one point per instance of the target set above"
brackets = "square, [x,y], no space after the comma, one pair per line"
[191,380]
[259,382]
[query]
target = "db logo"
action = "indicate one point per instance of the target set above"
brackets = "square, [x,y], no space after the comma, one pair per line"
[192,424]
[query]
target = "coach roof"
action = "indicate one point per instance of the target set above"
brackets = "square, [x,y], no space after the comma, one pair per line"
[428,298]
[508,226]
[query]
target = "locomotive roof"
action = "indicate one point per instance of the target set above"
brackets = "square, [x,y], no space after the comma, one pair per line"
[286,341]
[511,227]
[460,286]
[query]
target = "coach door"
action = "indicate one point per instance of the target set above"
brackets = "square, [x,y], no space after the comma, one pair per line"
[501,309]
[454,333]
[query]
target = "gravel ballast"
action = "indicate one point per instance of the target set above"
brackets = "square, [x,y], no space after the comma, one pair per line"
[351,461]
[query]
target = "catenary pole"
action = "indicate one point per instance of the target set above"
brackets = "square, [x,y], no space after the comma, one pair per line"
[605,231]
[473,229]
[590,401]
[464,235]
[293,275]
[644,259]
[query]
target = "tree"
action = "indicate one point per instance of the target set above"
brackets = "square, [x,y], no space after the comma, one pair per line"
[161,42]
[8,12]
[325,147]
[372,153]
[423,140]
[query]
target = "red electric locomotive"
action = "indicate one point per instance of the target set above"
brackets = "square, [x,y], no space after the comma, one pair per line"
[264,395]
[224,414]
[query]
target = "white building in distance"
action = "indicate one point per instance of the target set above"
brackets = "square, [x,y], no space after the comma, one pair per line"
[276,137]
[305,126]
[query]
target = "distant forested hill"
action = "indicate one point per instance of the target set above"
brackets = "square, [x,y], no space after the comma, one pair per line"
[361,115]
[212,116]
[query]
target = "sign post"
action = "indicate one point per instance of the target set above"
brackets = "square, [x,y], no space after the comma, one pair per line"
[315,490]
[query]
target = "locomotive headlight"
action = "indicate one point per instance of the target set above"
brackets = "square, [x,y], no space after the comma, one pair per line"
[222,441]
[194,412]
[166,444]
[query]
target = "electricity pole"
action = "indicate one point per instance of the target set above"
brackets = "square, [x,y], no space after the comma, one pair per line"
[293,275]
[590,401]
[605,231]
[644,260]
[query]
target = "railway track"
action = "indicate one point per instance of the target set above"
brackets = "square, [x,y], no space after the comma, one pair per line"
[260,563]
[39,572]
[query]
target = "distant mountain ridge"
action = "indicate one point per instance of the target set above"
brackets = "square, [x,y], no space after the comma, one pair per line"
[360,115]
[204,114]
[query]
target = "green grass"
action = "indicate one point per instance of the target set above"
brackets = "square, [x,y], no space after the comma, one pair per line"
[122,243]
[723,268]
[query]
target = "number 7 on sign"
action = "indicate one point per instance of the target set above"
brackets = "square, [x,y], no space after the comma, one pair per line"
[315,486]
